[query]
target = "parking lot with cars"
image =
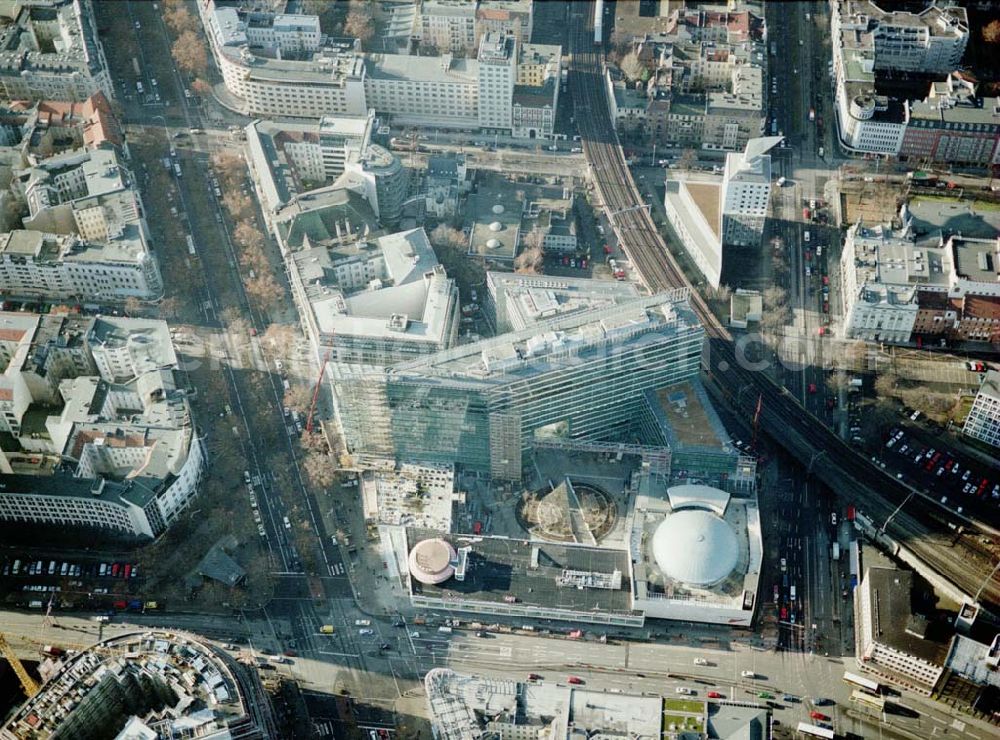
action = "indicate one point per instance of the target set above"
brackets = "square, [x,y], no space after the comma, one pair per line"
[957,482]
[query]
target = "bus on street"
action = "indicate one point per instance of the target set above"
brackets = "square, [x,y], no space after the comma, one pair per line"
[861,682]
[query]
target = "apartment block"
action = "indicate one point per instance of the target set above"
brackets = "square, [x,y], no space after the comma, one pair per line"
[868,40]
[305,80]
[699,93]
[536,93]
[448,25]
[49,50]
[505,16]
[497,77]
[85,238]
[898,286]
[983,421]
[101,435]
[953,125]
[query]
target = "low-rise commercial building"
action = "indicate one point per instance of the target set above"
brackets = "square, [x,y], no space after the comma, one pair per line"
[103,438]
[51,51]
[147,685]
[983,421]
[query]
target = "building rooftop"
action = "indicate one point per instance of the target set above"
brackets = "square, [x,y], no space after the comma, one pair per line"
[521,301]
[410,495]
[890,593]
[562,342]
[200,692]
[444,69]
[59,37]
[500,568]
[413,300]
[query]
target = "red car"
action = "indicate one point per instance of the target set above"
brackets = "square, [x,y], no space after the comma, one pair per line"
[114,570]
[534,677]
[714,695]
[812,387]
[822,330]
[575,680]
[826,280]
[607,249]
[128,571]
[819,715]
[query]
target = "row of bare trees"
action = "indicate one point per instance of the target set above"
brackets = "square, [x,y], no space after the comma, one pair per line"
[189,50]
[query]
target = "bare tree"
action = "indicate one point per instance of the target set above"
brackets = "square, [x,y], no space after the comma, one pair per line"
[133,306]
[189,54]
[264,291]
[229,166]
[885,383]
[180,20]
[991,32]
[201,87]
[444,235]
[280,338]
[238,205]
[253,258]
[169,307]
[531,260]
[319,469]
[689,158]
[632,67]
[248,235]
[299,398]
[360,23]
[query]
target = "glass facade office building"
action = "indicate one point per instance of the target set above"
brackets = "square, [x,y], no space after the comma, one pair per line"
[481,405]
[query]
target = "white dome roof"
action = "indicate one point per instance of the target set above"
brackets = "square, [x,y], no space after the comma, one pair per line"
[496,226]
[498,209]
[695,546]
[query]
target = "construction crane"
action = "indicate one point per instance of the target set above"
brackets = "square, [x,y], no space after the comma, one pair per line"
[319,382]
[29,684]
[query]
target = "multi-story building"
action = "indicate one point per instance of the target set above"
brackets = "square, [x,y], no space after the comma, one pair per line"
[536,94]
[49,50]
[710,213]
[446,184]
[442,90]
[983,421]
[380,176]
[316,152]
[480,405]
[287,34]
[699,94]
[891,640]
[85,237]
[952,125]
[377,301]
[448,25]
[505,16]
[896,287]
[37,130]
[109,689]
[102,437]
[497,77]
[322,81]
[514,302]
[867,40]
[746,192]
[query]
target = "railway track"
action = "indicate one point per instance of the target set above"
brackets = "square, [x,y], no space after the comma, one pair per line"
[961,560]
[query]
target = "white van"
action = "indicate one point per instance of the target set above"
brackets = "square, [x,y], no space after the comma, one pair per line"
[288,524]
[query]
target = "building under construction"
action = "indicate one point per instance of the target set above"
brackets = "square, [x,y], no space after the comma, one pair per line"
[483,405]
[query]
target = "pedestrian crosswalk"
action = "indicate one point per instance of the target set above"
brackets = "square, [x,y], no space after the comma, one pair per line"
[337,569]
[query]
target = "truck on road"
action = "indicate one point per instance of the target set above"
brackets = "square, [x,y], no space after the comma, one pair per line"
[835,554]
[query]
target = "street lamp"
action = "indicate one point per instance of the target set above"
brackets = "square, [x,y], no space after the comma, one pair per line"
[166,131]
